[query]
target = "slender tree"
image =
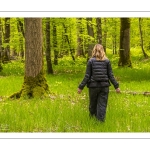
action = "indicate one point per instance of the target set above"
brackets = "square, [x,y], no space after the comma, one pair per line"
[105,34]
[124,54]
[56,52]
[7,40]
[91,40]
[68,41]
[114,36]
[1,51]
[141,37]
[35,84]
[48,48]
[20,28]
[80,51]
[99,30]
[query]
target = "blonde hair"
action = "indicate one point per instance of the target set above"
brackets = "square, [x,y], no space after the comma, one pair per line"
[98,52]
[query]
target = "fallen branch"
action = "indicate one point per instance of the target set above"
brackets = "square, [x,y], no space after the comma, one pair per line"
[133,92]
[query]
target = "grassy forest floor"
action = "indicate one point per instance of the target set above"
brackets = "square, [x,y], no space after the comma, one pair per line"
[67,111]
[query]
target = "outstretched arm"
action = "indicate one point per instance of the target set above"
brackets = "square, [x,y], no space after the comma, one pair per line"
[86,77]
[112,78]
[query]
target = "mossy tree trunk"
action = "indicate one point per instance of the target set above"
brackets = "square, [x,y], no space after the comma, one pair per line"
[35,84]
[124,52]
[48,48]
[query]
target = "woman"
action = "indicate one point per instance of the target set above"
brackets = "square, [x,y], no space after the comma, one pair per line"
[98,76]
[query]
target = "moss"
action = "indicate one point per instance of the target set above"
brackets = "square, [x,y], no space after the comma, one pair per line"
[33,87]
[38,91]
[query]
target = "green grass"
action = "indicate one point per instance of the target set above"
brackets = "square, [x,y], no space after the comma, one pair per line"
[67,111]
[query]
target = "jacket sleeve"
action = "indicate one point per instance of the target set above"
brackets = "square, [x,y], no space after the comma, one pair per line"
[87,75]
[111,76]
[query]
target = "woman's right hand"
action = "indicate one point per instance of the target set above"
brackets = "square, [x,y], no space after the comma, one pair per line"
[118,90]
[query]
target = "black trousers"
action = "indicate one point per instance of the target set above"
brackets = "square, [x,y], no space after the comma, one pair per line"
[98,102]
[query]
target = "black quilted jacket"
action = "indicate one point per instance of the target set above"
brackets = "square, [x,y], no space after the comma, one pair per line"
[98,74]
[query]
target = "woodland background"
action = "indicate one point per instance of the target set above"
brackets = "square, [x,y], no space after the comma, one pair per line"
[44,59]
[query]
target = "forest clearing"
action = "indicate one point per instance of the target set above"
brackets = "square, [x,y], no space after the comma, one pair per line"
[67,111]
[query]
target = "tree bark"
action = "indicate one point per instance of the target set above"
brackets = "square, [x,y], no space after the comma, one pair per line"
[124,53]
[48,48]
[35,84]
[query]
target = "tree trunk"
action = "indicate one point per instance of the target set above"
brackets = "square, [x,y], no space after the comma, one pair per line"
[35,84]
[91,40]
[69,44]
[21,36]
[99,30]
[21,26]
[48,48]
[7,40]
[1,49]
[105,34]
[114,36]
[124,53]
[55,45]
[114,44]
[141,36]
[80,51]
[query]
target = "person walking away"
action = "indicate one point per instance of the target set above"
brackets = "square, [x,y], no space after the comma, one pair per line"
[97,77]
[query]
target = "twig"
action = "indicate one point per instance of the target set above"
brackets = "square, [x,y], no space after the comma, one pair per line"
[133,92]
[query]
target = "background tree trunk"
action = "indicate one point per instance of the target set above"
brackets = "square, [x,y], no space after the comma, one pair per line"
[141,37]
[124,54]
[48,48]
[69,43]
[105,35]
[1,50]
[7,40]
[99,30]
[55,44]
[21,36]
[114,36]
[80,51]
[35,84]
[91,40]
